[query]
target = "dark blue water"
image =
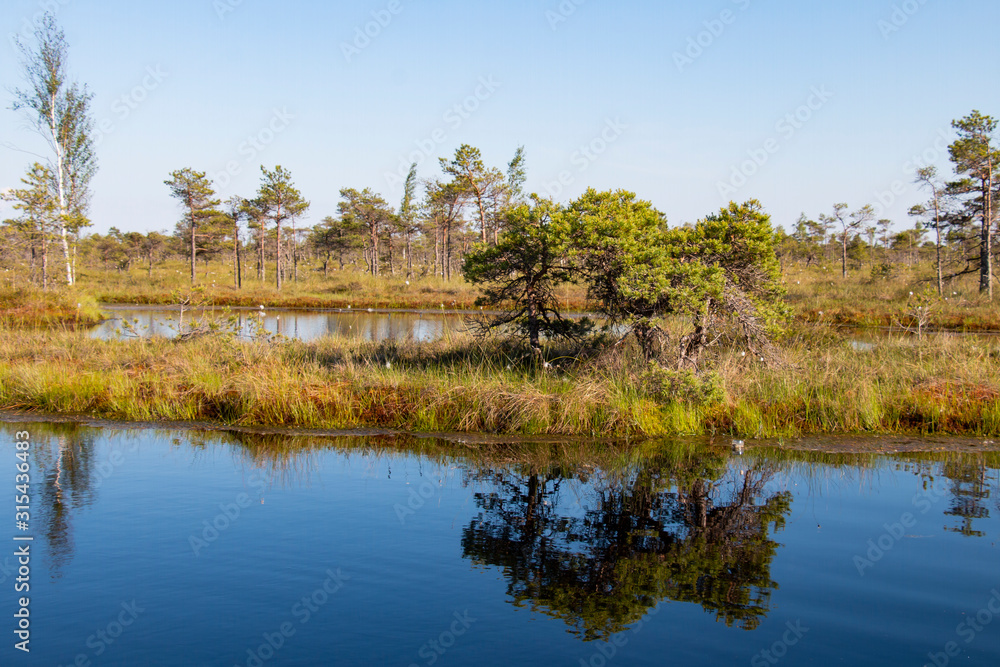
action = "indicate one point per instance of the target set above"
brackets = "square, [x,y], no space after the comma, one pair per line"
[186,548]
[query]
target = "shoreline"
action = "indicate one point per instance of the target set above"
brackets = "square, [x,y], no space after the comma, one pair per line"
[826,444]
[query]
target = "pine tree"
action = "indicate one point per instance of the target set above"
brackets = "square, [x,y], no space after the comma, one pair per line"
[39,219]
[974,154]
[279,202]
[194,190]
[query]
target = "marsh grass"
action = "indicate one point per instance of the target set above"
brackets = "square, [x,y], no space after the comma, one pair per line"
[938,384]
[820,295]
[33,308]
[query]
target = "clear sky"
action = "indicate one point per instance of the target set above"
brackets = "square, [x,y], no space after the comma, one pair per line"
[800,104]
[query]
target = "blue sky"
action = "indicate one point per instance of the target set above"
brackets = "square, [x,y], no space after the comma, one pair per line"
[689,104]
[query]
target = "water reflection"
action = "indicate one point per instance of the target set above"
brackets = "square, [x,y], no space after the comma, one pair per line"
[418,326]
[600,557]
[595,537]
[65,480]
[969,492]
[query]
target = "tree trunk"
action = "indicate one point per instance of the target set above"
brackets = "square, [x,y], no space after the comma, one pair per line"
[260,254]
[45,263]
[483,227]
[373,240]
[533,337]
[937,230]
[65,247]
[392,266]
[237,279]
[194,227]
[278,254]
[239,265]
[409,257]
[986,246]
[60,185]
[295,253]
[194,251]
[437,250]
[447,255]
[844,255]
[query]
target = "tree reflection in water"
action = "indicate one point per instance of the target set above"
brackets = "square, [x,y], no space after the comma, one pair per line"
[596,537]
[970,489]
[600,562]
[63,476]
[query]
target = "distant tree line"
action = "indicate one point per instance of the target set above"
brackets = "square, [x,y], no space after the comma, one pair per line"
[433,227]
[444,220]
[956,228]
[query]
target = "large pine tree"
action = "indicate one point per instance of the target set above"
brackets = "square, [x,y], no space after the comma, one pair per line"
[976,157]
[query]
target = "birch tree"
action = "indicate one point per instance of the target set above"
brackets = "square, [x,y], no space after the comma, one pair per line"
[927,178]
[59,110]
